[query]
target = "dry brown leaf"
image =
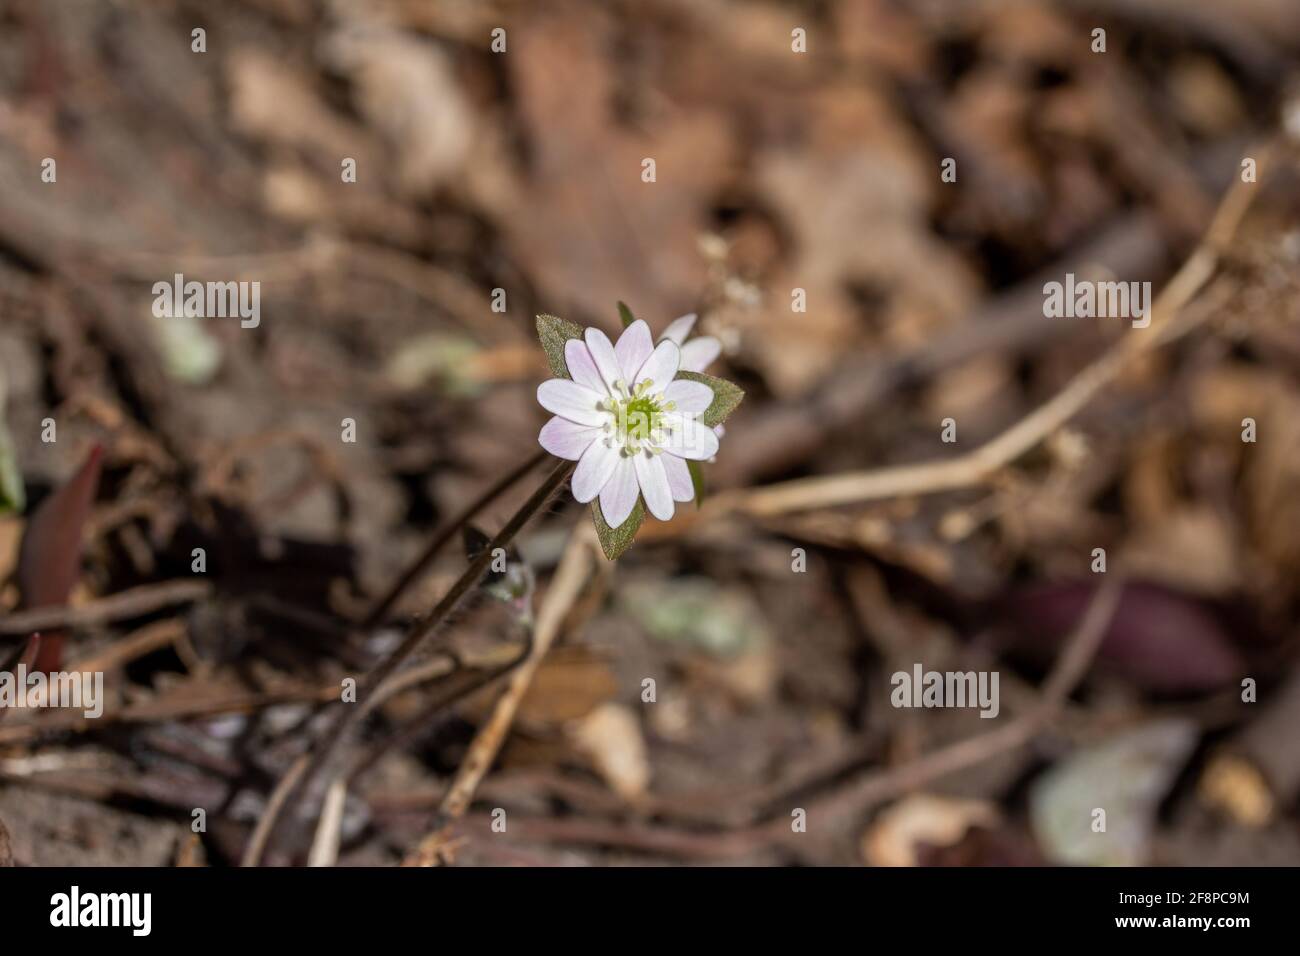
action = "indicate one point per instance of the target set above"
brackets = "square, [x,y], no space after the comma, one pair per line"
[1193,549]
[855,194]
[274,102]
[894,836]
[405,87]
[610,736]
[570,684]
[581,220]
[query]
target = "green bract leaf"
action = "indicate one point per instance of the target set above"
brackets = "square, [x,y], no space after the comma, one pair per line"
[696,468]
[726,396]
[625,314]
[12,495]
[614,541]
[554,332]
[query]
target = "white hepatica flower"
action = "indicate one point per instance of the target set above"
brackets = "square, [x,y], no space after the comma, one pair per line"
[628,422]
[699,352]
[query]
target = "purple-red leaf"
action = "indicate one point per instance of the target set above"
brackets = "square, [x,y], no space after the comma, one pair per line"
[1159,639]
[49,559]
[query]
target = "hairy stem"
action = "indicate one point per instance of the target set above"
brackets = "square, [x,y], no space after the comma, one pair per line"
[348,718]
[421,564]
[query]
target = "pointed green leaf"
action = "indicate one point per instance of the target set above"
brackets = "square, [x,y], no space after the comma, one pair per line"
[625,314]
[614,541]
[726,396]
[696,468]
[554,332]
[12,495]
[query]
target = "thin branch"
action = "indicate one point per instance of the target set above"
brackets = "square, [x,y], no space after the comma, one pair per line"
[367,698]
[274,806]
[976,466]
[325,845]
[421,564]
[154,711]
[851,798]
[133,602]
[1069,669]
[570,578]
[440,702]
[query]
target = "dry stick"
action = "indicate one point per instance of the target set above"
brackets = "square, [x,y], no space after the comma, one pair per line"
[1069,669]
[974,467]
[780,438]
[852,797]
[325,845]
[374,680]
[440,702]
[135,645]
[421,564]
[321,851]
[855,796]
[133,602]
[570,578]
[262,832]
[385,604]
[154,711]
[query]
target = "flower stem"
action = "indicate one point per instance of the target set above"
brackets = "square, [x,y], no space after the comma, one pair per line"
[421,564]
[349,718]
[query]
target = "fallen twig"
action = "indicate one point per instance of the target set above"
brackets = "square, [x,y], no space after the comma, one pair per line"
[974,467]
[367,696]
[133,602]
[877,786]
[570,578]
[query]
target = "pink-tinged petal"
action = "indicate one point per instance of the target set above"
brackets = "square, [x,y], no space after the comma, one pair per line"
[582,367]
[602,353]
[679,477]
[678,329]
[718,430]
[691,398]
[570,400]
[689,438]
[566,439]
[661,366]
[618,497]
[594,470]
[652,478]
[699,353]
[633,348]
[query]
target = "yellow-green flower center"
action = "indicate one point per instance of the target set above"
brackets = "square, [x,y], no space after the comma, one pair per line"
[637,416]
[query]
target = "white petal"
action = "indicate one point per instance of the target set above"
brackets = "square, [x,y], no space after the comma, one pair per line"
[618,497]
[679,477]
[689,437]
[602,353]
[633,348]
[594,470]
[582,368]
[652,478]
[678,329]
[661,366]
[566,439]
[699,353]
[692,398]
[570,400]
